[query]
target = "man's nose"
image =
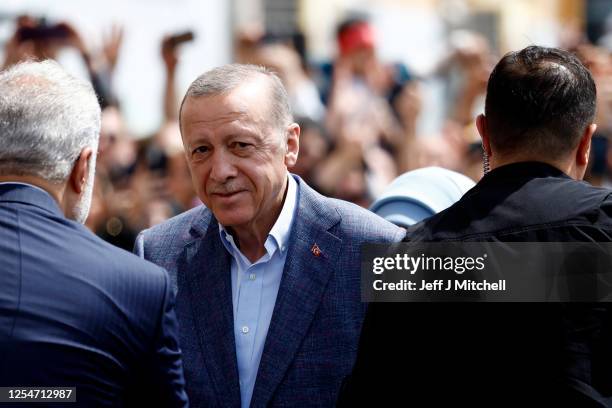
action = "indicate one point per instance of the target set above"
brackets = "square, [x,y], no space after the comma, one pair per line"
[222,167]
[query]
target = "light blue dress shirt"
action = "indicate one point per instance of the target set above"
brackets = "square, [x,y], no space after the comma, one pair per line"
[254,290]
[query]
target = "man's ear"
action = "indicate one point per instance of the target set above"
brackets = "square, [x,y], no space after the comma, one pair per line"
[584,146]
[481,125]
[293,145]
[80,171]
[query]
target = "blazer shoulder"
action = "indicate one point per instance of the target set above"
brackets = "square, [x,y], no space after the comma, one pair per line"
[162,244]
[179,228]
[107,257]
[364,224]
[99,264]
[355,222]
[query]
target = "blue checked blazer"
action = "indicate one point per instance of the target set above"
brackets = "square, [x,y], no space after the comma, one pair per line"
[313,336]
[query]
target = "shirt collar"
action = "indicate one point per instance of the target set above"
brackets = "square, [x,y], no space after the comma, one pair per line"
[278,237]
[282,226]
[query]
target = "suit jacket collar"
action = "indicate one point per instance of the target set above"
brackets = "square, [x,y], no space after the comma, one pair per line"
[29,194]
[312,254]
[311,257]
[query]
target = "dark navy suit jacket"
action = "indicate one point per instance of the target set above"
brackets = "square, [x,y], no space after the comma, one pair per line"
[312,339]
[76,311]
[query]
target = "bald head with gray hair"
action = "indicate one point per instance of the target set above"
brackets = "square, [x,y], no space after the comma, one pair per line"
[222,80]
[47,117]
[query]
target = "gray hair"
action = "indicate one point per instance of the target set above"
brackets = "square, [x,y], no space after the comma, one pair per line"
[224,79]
[47,117]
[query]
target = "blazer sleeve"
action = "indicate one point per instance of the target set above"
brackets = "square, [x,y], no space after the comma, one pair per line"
[167,353]
[163,382]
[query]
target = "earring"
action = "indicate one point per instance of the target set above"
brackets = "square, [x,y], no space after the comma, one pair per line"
[485,161]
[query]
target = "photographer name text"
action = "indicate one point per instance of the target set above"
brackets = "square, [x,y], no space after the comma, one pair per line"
[440,285]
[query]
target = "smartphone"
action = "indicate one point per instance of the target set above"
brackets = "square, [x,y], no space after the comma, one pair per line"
[42,32]
[180,38]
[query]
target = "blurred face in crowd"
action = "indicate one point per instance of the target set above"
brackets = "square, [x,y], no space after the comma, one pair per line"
[313,149]
[237,156]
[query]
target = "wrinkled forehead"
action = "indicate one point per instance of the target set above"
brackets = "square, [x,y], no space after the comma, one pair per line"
[249,103]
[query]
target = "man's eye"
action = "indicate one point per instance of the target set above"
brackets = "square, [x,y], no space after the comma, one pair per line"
[241,145]
[200,150]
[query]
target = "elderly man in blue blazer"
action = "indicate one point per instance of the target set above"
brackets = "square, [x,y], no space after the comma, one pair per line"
[268,270]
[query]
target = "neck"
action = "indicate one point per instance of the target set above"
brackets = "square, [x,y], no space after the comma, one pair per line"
[252,237]
[55,190]
[250,242]
[565,164]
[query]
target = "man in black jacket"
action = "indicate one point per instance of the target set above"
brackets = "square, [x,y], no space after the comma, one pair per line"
[536,133]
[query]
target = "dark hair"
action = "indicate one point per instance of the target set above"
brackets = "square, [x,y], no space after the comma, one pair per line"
[539,100]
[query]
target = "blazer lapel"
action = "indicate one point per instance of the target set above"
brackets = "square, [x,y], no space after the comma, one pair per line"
[310,262]
[209,280]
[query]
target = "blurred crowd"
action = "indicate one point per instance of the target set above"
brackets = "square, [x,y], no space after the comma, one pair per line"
[359,117]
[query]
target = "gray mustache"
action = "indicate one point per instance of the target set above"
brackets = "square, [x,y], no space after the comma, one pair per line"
[225,190]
